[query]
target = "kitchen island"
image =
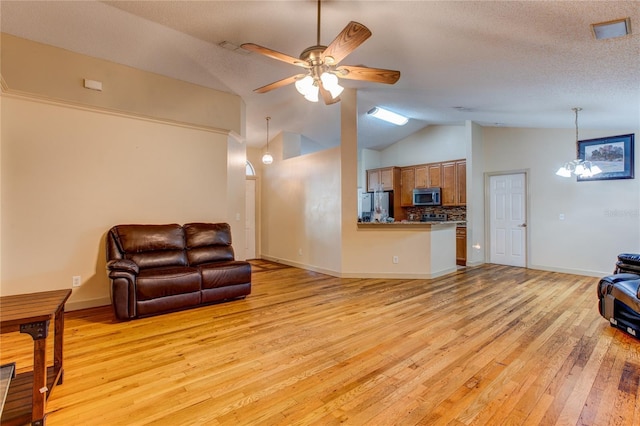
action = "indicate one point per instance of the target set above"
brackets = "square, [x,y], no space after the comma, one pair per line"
[406,249]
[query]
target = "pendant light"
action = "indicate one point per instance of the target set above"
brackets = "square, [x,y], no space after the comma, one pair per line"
[578,167]
[267,158]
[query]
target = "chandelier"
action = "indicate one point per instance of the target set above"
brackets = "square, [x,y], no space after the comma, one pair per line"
[579,167]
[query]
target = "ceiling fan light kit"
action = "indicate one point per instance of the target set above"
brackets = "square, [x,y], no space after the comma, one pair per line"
[308,88]
[321,64]
[388,116]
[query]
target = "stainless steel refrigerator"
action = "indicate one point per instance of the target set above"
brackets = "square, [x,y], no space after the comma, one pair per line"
[367,202]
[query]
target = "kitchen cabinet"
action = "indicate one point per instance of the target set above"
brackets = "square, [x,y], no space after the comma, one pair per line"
[434,175]
[454,180]
[422,176]
[451,176]
[407,183]
[461,182]
[461,246]
[428,175]
[388,177]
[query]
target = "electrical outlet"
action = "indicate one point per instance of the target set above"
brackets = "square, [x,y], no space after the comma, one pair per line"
[395,259]
[299,252]
[76,281]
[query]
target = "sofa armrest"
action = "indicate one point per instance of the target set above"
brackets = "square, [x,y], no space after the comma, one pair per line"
[123,273]
[123,265]
[606,283]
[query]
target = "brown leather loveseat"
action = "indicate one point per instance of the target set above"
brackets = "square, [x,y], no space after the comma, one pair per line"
[162,268]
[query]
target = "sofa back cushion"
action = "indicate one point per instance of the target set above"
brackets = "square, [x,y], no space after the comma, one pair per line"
[151,246]
[208,242]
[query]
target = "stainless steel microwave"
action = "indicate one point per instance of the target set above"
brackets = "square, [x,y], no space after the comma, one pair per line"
[426,197]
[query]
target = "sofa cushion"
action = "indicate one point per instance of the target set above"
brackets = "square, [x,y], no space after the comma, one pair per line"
[224,293]
[166,304]
[208,242]
[152,246]
[168,281]
[221,274]
[207,234]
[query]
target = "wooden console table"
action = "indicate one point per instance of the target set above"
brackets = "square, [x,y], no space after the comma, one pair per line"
[31,314]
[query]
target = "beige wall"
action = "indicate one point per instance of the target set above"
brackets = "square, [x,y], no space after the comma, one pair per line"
[429,145]
[70,170]
[475,195]
[54,73]
[602,218]
[300,209]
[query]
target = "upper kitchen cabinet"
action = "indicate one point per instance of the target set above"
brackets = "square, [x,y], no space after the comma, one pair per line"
[408,181]
[388,177]
[461,181]
[421,176]
[454,180]
[434,175]
[428,175]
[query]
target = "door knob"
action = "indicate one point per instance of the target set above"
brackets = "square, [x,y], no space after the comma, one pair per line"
[522,225]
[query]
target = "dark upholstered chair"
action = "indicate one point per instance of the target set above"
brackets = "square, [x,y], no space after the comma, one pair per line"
[619,294]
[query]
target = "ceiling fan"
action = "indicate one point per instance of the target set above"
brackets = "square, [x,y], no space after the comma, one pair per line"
[322,65]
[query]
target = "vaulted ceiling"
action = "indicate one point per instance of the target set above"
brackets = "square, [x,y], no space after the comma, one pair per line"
[498,63]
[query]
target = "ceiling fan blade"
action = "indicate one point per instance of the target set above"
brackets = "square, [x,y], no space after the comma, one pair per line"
[278,84]
[352,36]
[326,96]
[274,54]
[377,75]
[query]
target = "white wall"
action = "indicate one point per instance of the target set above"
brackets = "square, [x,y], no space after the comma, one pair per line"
[602,218]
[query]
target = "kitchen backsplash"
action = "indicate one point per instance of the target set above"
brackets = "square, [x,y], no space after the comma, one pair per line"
[452,212]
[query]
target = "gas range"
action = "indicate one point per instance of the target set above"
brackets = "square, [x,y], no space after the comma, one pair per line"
[434,217]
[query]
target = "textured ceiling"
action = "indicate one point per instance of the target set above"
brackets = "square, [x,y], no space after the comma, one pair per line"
[506,63]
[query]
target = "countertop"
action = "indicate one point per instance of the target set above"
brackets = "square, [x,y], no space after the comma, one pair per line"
[408,224]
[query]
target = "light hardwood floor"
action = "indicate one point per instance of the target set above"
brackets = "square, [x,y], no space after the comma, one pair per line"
[491,345]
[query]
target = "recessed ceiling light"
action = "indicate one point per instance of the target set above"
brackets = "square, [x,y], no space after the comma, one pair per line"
[389,116]
[612,29]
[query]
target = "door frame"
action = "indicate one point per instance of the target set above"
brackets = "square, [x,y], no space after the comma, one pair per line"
[256,225]
[487,211]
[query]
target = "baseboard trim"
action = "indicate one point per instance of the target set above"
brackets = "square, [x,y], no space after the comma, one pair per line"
[396,276]
[86,304]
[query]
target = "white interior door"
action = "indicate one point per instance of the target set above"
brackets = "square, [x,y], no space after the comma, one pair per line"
[508,222]
[250,219]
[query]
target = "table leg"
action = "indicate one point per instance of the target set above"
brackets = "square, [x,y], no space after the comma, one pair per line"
[39,332]
[39,381]
[58,345]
